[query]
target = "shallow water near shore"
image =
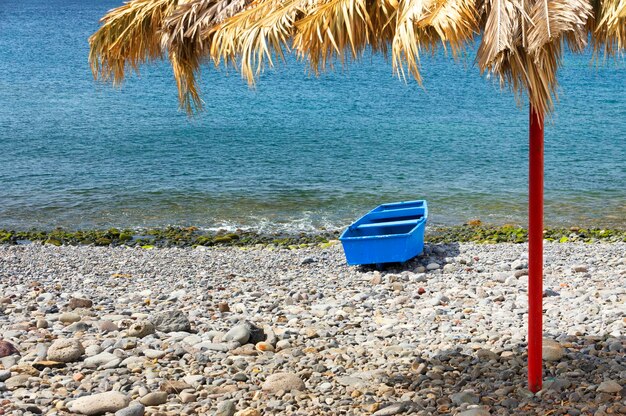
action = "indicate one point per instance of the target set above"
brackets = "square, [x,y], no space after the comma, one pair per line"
[297,153]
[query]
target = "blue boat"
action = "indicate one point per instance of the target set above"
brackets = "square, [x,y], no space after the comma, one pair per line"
[390,233]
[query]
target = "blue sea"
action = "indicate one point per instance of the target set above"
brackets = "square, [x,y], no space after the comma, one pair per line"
[295,153]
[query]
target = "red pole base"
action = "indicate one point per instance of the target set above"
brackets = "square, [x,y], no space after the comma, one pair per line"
[535,251]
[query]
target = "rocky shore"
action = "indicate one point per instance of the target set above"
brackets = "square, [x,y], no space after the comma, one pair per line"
[264,331]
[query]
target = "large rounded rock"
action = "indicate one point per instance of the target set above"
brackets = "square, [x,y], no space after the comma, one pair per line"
[65,350]
[98,404]
[141,329]
[171,321]
[283,381]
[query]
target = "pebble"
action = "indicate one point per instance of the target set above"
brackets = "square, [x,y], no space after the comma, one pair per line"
[20,380]
[69,317]
[75,303]
[392,409]
[464,397]
[154,399]
[100,403]
[65,350]
[4,375]
[478,411]
[141,329]
[432,266]
[134,409]
[186,397]
[6,349]
[610,386]
[225,408]
[238,333]
[171,321]
[101,359]
[248,412]
[552,350]
[283,381]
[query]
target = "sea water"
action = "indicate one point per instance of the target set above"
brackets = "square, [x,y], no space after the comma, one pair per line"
[297,152]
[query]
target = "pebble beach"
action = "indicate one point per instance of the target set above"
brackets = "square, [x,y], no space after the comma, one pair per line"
[267,331]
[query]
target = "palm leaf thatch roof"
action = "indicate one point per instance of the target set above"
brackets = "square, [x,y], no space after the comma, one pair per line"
[521,41]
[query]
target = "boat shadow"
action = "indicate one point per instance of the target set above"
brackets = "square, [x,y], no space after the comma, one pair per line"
[433,253]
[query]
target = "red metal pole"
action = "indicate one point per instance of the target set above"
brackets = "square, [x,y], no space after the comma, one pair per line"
[535,250]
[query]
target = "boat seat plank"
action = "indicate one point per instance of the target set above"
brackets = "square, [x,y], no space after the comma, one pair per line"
[388,224]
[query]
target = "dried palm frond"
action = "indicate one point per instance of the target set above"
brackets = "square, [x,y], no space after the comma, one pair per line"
[523,44]
[331,28]
[559,19]
[409,39]
[608,27]
[500,38]
[256,35]
[522,40]
[454,21]
[182,36]
[129,36]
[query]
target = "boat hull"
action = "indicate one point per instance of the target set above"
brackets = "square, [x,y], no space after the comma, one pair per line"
[390,233]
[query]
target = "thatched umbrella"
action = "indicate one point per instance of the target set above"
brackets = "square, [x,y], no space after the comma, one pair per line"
[521,42]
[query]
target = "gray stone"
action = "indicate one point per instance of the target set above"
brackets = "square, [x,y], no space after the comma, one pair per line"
[134,409]
[152,354]
[100,359]
[186,397]
[464,397]
[107,326]
[609,386]
[65,350]
[519,264]
[92,350]
[432,266]
[283,381]
[225,408]
[4,375]
[97,404]
[154,399]
[392,409]
[194,380]
[17,381]
[171,321]
[239,333]
[477,411]
[78,326]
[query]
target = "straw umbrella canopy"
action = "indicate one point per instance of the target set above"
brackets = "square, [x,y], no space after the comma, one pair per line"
[521,43]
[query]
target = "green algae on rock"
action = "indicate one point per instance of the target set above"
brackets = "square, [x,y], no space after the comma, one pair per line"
[192,236]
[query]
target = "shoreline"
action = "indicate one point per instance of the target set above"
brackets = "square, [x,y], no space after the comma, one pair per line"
[193,236]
